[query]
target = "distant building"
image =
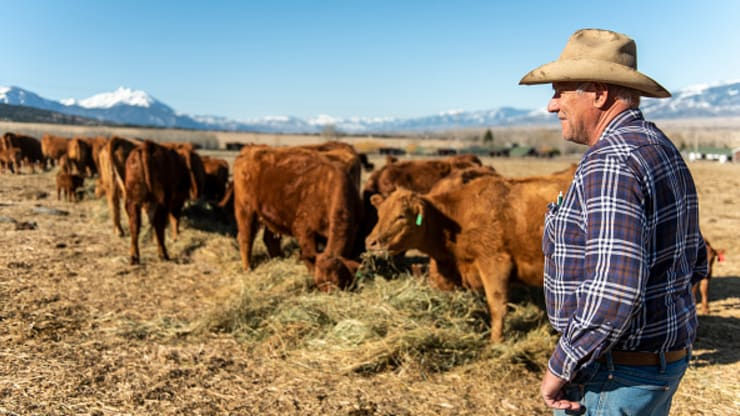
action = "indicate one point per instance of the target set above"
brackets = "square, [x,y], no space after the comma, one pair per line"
[719,154]
[234,145]
[393,151]
[446,151]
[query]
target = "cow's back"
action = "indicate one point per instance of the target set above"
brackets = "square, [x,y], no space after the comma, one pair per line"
[295,187]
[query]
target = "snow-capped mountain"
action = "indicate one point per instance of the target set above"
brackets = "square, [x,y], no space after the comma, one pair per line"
[707,100]
[122,106]
[135,107]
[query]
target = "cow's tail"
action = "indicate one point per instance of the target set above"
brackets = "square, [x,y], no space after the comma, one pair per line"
[145,162]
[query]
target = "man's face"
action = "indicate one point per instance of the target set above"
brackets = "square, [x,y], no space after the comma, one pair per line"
[575,109]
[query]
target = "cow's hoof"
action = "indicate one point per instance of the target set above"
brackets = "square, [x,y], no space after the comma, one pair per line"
[135,261]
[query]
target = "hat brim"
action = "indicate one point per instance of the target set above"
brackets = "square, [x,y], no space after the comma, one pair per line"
[568,70]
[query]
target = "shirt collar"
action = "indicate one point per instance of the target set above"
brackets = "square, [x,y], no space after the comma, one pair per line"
[625,117]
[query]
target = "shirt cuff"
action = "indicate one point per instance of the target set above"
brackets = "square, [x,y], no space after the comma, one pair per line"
[560,365]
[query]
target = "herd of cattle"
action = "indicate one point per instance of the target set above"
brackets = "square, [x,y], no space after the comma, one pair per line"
[480,229]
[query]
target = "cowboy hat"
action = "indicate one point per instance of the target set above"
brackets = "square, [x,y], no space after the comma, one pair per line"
[601,56]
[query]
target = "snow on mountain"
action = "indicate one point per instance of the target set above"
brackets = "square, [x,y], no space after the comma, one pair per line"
[121,96]
[135,107]
[705,100]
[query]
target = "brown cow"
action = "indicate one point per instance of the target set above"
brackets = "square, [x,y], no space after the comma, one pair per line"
[80,154]
[10,158]
[96,145]
[53,148]
[156,178]
[196,172]
[302,193]
[417,175]
[68,184]
[30,149]
[216,177]
[344,154]
[112,160]
[703,284]
[479,235]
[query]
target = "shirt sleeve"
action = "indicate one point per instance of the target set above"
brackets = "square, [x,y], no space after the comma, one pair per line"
[701,269]
[615,266]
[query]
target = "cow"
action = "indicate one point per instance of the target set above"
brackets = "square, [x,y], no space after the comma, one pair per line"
[156,178]
[480,235]
[68,184]
[417,175]
[96,145]
[703,284]
[53,148]
[80,154]
[302,193]
[112,161]
[10,158]
[196,172]
[344,154]
[216,174]
[30,149]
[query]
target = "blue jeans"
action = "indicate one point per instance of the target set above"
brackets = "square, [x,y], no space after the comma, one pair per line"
[611,389]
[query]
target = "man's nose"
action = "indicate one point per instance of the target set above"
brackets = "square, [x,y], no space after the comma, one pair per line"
[554,105]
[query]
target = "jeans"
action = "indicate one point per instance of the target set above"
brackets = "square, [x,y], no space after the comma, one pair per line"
[612,389]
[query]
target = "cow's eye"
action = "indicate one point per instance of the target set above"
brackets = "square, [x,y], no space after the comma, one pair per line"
[401,217]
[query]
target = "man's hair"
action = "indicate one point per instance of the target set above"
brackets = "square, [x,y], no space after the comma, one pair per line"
[628,95]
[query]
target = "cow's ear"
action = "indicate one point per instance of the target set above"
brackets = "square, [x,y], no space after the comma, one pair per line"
[376,200]
[419,209]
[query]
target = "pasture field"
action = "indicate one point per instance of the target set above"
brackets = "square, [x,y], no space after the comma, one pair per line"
[83,332]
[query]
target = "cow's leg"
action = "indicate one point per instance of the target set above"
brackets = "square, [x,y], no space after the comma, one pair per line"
[158,220]
[175,224]
[246,223]
[704,289]
[307,242]
[495,272]
[443,275]
[134,223]
[59,193]
[272,242]
[114,204]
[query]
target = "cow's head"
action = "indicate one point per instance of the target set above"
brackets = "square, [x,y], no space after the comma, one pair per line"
[401,222]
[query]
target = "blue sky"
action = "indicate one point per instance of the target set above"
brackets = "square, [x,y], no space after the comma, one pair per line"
[248,59]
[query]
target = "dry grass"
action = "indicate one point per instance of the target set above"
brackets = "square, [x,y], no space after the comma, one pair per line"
[83,332]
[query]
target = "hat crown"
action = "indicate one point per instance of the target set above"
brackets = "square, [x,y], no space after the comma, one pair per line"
[601,45]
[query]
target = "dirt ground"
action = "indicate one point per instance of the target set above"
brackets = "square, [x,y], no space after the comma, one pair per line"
[83,332]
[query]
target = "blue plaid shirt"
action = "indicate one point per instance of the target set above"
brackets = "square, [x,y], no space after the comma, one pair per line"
[623,248]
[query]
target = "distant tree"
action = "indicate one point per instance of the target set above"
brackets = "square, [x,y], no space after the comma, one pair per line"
[330,132]
[488,138]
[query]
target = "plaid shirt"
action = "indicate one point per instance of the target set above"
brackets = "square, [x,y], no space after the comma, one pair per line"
[623,248]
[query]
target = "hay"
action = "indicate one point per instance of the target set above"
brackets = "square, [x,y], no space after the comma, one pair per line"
[83,332]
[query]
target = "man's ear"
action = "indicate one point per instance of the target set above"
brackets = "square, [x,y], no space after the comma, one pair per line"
[376,200]
[602,95]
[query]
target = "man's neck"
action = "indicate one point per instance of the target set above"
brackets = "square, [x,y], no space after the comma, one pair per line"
[605,118]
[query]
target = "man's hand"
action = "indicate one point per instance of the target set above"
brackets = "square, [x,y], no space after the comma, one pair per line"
[552,393]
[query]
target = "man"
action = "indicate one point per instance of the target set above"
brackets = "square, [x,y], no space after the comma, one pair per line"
[623,246]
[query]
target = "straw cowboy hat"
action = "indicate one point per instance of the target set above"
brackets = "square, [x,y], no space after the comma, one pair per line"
[601,56]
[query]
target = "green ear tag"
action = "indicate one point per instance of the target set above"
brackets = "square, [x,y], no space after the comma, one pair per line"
[418,220]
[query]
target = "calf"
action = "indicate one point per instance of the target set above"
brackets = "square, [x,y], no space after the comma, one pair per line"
[703,284]
[10,158]
[68,184]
